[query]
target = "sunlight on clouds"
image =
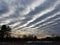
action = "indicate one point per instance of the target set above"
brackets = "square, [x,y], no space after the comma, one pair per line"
[53,23]
[37,16]
[10,12]
[36,4]
[50,25]
[26,14]
[30,31]
[45,19]
[41,14]
[49,22]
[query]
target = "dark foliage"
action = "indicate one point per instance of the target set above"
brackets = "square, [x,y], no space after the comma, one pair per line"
[29,39]
[4,31]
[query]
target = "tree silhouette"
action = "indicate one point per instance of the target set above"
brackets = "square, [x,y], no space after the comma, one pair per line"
[24,36]
[4,32]
[35,37]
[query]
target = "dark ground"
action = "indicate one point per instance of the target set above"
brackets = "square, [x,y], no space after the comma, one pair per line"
[29,43]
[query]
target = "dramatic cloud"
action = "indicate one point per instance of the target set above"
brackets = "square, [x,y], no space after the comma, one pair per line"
[31,16]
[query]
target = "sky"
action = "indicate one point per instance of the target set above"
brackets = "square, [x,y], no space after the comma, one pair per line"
[37,17]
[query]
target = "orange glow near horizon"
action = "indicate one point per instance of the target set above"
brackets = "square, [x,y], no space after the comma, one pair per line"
[22,36]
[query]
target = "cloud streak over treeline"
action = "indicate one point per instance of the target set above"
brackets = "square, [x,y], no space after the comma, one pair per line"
[32,14]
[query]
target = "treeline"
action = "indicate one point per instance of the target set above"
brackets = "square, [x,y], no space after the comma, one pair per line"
[6,30]
[5,36]
[57,38]
[30,39]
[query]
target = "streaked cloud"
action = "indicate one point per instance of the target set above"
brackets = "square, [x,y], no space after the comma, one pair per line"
[31,16]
